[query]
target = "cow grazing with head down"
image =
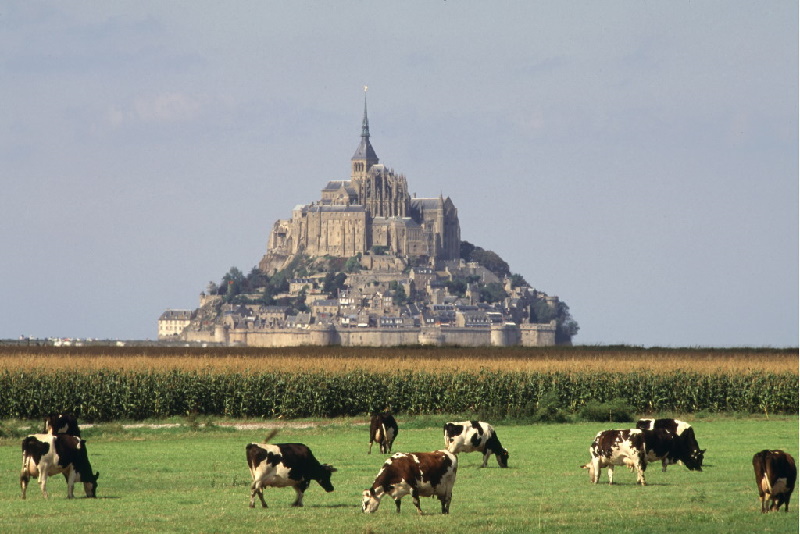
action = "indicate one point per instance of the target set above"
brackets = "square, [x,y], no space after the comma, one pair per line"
[57,423]
[422,474]
[45,455]
[383,431]
[469,436]
[776,475]
[285,464]
[688,445]
[635,448]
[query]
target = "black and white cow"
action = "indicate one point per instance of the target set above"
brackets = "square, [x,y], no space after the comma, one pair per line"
[776,474]
[617,447]
[688,443]
[469,436]
[422,474]
[383,431]
[636,448]
[285,464]
[57,423]
[45,455]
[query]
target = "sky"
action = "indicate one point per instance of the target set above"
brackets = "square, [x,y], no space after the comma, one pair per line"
[638,159]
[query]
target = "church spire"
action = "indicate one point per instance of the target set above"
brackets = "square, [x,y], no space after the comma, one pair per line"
[365,120]
[365,156]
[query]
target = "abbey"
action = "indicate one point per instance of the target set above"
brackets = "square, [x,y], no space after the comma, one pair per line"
[372,209]
[368,264]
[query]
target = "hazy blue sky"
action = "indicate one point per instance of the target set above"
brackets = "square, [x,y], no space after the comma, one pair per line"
[638,159]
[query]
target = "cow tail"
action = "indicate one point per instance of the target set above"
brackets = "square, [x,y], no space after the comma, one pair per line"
[383,429]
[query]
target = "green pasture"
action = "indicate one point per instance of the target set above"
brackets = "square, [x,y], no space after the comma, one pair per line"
[195,479]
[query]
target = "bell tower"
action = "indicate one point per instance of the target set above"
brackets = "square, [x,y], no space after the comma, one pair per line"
[365,156]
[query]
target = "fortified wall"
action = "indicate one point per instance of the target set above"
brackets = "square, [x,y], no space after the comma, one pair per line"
[505,335]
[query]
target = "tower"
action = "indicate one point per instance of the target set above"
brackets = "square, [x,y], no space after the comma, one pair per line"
[365,156]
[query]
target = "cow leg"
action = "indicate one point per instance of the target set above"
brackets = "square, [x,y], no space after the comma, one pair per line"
[256,489]
[610,474]
[787,496]
[397,504]
[640,467]
[298,502]
[43,483]
[70,478]
[370,447]
[445,500]
[664,462]
[486,455]
[415,500]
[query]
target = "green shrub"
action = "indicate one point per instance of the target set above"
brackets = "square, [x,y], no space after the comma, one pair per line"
[614,411]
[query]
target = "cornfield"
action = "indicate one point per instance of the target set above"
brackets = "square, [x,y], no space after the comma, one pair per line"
[138,383]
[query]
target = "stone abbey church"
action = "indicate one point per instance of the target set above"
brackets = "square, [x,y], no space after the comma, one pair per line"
[371,209]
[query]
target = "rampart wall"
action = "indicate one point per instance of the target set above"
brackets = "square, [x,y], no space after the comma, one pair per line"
[527,335]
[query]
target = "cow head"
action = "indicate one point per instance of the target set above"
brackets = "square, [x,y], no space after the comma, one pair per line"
[694,460]
[90,487]
[502,458]
[370,500]
[325,477]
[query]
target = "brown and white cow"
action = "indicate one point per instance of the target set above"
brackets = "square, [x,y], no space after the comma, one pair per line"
[687,442]
[383,431]
[776,475]
[285,464]
[57,423]
[422,474]
[469,436]
[45,455]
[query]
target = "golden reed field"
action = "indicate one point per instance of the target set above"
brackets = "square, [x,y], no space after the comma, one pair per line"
[392,359]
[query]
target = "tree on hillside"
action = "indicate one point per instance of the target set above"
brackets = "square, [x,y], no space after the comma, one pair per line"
[233,283]
[566,326]
[491,260]
[491,293]
[465,250]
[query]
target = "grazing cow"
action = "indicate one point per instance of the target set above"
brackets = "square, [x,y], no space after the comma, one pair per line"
[635,448]
[383,431]
[57,423]
[285,464]
[776,474]
[688,442]
[422,474]
[469,436]
[44,455]
[617,447]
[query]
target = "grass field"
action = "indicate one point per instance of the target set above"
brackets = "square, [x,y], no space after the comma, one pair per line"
[195,479]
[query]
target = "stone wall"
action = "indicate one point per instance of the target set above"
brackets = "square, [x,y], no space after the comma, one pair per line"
[506,335]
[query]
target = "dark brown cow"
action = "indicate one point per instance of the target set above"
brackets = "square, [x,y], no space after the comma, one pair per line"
[285,464]
[688,443]
[422,474]
[57,423]
[45,455]
[776,475]
[383,431]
